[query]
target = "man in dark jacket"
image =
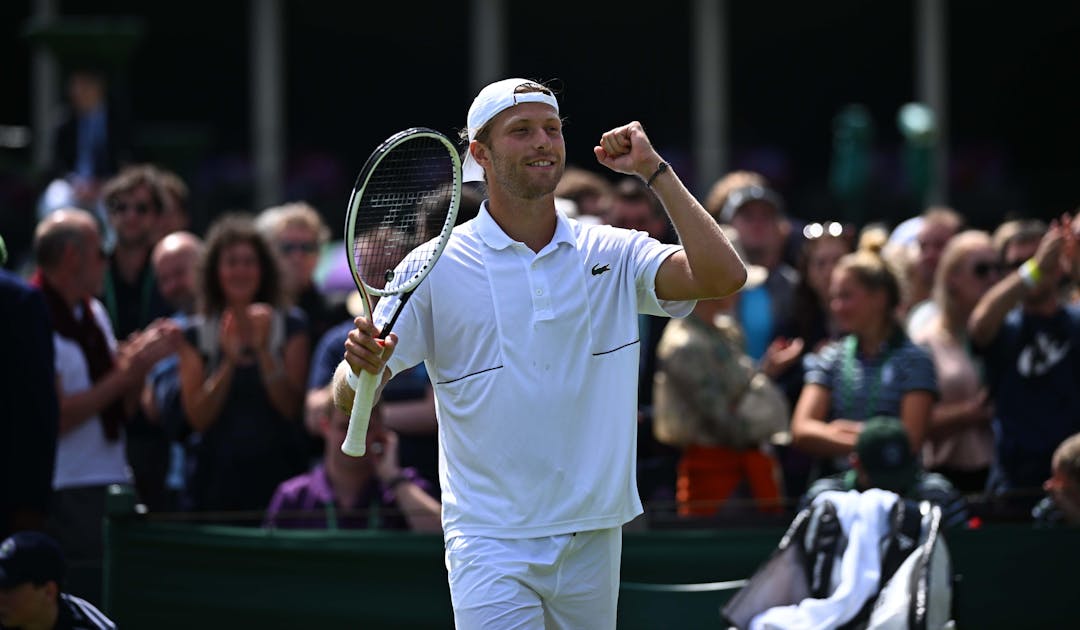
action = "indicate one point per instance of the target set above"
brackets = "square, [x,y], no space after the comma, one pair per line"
[30,421]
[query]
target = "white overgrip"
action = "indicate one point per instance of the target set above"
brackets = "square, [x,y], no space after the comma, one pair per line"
[355,443]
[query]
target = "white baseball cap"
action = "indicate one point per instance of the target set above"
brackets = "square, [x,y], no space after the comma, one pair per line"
[489,102]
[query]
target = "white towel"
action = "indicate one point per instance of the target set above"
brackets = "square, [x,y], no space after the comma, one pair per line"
[864,517]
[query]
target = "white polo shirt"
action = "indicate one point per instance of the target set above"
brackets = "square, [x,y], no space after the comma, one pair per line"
[84,457]
[534,359]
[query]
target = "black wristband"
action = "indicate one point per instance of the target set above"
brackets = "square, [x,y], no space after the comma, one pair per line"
[660,168]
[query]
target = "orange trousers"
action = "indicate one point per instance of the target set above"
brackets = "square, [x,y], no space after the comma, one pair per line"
[708,475]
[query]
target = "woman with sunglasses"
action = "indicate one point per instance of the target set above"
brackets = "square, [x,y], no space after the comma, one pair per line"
[243,369]
[959,444]
[874,370]
[298,233]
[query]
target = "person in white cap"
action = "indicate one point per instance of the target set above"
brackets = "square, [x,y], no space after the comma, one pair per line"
[528,328]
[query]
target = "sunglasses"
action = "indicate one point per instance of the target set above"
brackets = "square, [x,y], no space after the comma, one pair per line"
[984,269]
[290,247]
[120,207]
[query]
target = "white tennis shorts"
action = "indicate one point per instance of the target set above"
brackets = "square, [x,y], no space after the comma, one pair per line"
[566,582]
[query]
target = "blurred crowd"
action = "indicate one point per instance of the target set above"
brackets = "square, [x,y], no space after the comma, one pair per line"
[960,339]
[196,366]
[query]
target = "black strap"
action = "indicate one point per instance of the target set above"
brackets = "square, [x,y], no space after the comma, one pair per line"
[822,544]
[904,537]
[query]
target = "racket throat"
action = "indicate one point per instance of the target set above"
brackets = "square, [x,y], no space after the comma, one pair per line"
[397,313]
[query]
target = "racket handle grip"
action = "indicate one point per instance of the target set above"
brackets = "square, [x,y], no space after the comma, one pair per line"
[355,443]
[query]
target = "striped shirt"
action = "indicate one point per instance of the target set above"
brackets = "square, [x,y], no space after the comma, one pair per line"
[863,387]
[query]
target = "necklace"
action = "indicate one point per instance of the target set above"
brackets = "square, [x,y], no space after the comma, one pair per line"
[847,381]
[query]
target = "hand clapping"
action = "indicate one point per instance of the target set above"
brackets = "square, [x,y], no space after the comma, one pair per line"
[245,332]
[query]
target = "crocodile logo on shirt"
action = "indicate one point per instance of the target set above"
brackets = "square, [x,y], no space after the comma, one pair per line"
[597,269]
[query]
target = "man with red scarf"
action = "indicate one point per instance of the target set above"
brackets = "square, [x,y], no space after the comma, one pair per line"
[97,380]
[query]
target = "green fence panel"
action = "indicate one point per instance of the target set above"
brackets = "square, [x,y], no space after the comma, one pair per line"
[178,575]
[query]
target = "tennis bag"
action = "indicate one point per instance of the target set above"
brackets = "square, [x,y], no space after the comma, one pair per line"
[916,574]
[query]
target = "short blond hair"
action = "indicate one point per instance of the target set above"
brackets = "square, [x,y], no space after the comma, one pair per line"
[874,270]
[273,220]
[1017,231]
[954,253]
[944,215]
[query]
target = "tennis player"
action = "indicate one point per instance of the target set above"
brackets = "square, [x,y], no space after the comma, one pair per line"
[528,327]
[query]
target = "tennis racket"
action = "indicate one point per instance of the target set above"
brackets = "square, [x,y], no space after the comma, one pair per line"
[401,212]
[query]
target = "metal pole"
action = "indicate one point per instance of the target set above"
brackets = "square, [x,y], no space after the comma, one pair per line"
[267,102]
[931,62]
[487,44]
[710,62]
[44,86]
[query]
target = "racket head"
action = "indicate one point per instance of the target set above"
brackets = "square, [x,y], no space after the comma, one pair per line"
[401,212]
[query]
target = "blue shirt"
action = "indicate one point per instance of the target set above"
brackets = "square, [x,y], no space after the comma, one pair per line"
[90,142]
[409,385]
[329,351]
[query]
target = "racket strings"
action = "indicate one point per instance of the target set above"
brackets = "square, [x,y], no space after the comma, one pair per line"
[403,208]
